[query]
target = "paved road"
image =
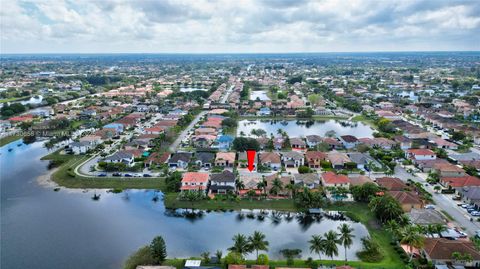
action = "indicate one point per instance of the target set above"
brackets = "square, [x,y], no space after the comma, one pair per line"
[227,94]
[443,202]
[183,134]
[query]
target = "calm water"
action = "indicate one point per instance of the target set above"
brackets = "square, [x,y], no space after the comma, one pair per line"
[41,228]
[261,95]
[192,89]
[294,129]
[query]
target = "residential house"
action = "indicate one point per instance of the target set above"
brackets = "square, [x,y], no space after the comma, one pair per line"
[206,131]
[292,159]
[338,159]
[460,182]
[440,252]
[391,183]
[332,143]
[271,159]
[221,183]
[121,157]
[448,170]
[420,154]
[180,160]
[331,179]
[471,195]
[426,217]
[444,144]
[314,158]
[196,181]
[297,143]
[309,180]
[80,147]
[403,141]
[313,140]
[92,139]
[264,111]
[359,180]
[203,141]
[157,158]
[204,159]
[242,160]
[285,179]
[363,160]
[250,182]
[118,127]
[225,159]
[349,141]
[278,143]
[407,199]
[224,142]
[379,142]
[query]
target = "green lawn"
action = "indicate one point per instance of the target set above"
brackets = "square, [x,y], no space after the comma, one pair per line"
[170,200]
[14,99]
[66,177]
[9,139]
[363,119]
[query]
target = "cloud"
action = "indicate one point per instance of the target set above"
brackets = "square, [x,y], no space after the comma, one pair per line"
[237,26]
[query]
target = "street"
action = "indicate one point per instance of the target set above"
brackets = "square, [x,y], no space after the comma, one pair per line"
[443,202]
[184,133]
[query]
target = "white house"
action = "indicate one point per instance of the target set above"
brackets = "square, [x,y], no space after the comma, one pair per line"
[121,157]
[80,147]
[420,154]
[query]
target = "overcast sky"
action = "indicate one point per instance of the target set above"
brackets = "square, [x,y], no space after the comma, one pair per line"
[197,26]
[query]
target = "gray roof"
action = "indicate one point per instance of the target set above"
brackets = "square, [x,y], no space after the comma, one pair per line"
[292,155]
[426,216]
[472,193]
[308,178]
[205,157]
[79,144]
[225,176]
[314,138]
[120,156]
[180,156]
[470,156]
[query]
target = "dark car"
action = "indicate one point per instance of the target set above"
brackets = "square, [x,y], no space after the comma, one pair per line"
[116,174]
[102,175]
[147,175]
[127,175]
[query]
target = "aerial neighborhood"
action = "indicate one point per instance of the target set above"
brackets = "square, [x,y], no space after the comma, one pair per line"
[400,143]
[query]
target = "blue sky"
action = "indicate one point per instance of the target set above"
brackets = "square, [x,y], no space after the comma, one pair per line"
[103,26]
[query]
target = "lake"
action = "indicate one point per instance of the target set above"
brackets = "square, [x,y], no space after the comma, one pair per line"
[295,128]
[261,95]
[192,89]
[41,228]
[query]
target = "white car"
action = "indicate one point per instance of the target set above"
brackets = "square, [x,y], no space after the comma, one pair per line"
[429,207]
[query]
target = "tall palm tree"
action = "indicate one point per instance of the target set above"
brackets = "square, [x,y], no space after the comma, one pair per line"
[292,188]
[241,245]
[346,237]
[257,242]
[317,245]
[277,186]
[412,237]
[331,241]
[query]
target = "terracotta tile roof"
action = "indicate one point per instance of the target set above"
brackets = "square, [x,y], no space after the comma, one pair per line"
[269,157]
[332,178]
[195,177]
[456,182]
[315,155]
[227,156]
[447,167]
[406,197]
[391,183]
[442,249]
[421,152]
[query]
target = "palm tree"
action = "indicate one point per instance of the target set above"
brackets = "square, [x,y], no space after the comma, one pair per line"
[240,245]
[239,185]
[257,242]
[346,237]
[277,186]
[393,228]
[317,245]
[292,188]
[412,237]
[331,241]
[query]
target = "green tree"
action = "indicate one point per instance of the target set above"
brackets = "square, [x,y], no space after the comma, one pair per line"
[219,255]
[140,257]
[206,257]
[262,259]
[241,245]
[257,242]
[317,245]
[346,237]
[386,208]
[234,258]
[331,241]
[158,250]
[411,236]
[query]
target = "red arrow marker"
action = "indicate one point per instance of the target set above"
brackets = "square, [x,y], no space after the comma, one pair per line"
[251,158]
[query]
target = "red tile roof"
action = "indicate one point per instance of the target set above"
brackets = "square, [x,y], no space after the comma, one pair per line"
[421,152]
[195,177]
[332,178]
[456,182]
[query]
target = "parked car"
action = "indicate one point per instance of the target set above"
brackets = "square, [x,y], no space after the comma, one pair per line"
[116,174]
[456,198]
[147,175]
[469,210]
[475,213]
[429,207]
[137,175]
[127,175]
[102,175]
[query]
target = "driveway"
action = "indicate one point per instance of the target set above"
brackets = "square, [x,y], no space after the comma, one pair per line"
[443,202]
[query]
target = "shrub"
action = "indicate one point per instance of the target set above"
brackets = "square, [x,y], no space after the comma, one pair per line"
[234,258]
[262,259]
[142,256]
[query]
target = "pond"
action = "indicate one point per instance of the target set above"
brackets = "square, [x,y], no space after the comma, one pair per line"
[41,228]
[192,89]
[296,128]
[261,95]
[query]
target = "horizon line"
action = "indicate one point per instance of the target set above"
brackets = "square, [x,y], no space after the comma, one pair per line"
[213,53]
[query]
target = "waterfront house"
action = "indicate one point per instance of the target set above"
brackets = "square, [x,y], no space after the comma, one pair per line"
[331,179]
[313,140]
[349,141]
[332,143]
[221,183]
[309,180]
[80,147]
[358,180]
[194,181]
[297,143]
[264,111]
[121,157]
[440,251]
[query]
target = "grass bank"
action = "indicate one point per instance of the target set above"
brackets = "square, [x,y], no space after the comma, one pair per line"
[315,117]
[170,200]
[65,176]
[9,139]
[365,120]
